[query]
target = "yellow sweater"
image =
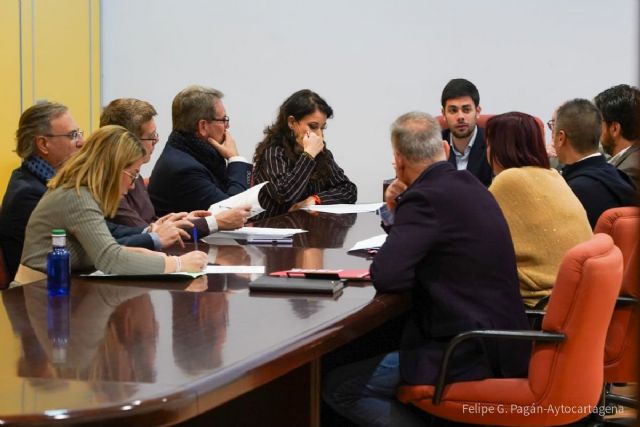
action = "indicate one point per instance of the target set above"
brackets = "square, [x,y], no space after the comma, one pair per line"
[545,219]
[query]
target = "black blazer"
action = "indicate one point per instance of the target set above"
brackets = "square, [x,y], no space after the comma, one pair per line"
[179,183]
[478,164]
[599,186]
[23,194]
[450,247]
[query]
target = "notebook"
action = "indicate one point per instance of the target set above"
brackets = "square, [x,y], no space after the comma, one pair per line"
[295,284]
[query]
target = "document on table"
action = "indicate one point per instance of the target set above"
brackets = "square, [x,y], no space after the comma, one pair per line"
[169,276]
[345,208]
[235,269]
[209,269]
[260,233]
[248,197]
[372,243]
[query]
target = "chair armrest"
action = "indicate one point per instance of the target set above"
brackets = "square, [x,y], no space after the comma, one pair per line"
[624,301]
[542,303]
[517,335]
[535,318]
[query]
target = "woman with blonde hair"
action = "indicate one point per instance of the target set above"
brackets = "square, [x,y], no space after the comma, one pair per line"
[85,190]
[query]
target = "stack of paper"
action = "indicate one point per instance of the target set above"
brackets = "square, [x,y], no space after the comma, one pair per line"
[373,243]
[345,208]
[257,233]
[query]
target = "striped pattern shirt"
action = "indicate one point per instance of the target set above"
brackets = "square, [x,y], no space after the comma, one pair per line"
[290,182]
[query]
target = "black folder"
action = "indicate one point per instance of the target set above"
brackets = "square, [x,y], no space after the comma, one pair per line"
[295,284]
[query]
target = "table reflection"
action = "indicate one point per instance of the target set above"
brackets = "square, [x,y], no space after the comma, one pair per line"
[97,333]
[200,322]
[325,230]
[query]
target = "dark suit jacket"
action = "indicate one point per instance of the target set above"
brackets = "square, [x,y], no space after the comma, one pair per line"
[478,164]
[450,246]
[599,186]
[180,183]
[23,194]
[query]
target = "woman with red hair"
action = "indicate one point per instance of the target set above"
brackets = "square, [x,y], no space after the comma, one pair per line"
[545,218]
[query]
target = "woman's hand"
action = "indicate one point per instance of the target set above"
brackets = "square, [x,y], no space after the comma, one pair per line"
[312,143]
[193,262]
[306,202]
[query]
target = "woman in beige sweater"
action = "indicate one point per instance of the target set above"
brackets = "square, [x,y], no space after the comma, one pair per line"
[85,190]
[545,218]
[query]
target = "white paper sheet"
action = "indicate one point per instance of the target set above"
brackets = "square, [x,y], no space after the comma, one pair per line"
[99,273]
[248,197]
[209,269]
[256,233]
[234,269]
[345,208]
[374,242]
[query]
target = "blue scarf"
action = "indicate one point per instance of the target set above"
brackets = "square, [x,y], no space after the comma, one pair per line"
[40,168]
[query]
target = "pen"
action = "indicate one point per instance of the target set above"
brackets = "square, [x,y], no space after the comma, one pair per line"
[194,234]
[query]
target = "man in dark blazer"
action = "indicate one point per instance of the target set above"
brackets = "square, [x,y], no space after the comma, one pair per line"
[47,135]
[461,108]
[449,245]
[620,137]
[200,164]
[597,184]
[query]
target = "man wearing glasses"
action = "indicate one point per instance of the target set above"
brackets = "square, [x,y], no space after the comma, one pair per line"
[200,164]
[576,127]
[47,136]
[135,208]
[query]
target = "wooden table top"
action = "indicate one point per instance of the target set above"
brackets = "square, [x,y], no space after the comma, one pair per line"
[153,350]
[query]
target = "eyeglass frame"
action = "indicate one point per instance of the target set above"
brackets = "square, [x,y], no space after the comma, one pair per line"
[74,135]
[224,119]
[155,137]
[133,177]
[551,124]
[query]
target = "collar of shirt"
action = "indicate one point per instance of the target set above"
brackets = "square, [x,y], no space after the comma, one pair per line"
[462,159]
[596,154]
[617,156]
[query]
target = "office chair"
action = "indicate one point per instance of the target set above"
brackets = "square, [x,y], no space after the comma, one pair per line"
[565,377]
[621,348]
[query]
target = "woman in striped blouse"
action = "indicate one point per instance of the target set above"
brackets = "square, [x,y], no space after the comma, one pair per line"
[292,156]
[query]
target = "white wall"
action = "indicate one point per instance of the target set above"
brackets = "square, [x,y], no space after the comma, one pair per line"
[371,60]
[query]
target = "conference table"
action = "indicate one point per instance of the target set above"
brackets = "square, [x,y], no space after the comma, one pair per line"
[199,351]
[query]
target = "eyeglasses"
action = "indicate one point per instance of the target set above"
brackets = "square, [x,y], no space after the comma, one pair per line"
[74,135]
[224,119]
[550,124]
[154,137]
[132,176]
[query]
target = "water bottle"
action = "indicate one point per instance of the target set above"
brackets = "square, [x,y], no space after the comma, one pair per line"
[58,327]
[58,265]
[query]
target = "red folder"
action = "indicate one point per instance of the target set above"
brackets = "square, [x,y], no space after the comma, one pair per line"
[344,274]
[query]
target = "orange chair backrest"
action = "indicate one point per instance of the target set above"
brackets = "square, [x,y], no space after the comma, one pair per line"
[580,307]
[621,349]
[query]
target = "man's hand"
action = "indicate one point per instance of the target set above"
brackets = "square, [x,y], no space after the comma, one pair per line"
[231,219]
[197,214]
[171,232]
[394,189]
[227,148]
